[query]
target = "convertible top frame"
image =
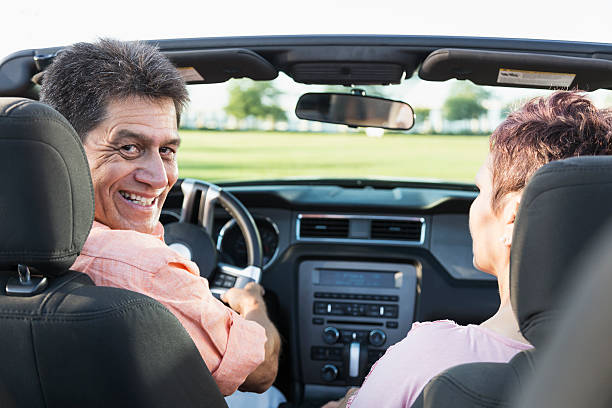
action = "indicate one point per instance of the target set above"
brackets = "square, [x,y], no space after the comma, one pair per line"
[353,60]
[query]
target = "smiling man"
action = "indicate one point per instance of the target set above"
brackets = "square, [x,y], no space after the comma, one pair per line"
[125,100]
[132,156]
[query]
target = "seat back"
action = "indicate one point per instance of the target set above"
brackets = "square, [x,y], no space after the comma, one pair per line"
[66,342]
[563,207]
[575,370]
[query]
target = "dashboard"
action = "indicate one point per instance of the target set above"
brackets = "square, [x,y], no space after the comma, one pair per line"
[349,268]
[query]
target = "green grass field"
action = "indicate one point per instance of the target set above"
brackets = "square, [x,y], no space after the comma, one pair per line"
[224,156]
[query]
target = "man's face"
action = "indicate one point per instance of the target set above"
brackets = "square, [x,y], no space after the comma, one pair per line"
[132,158]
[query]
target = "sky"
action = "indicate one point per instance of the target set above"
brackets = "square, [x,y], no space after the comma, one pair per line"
[61,22]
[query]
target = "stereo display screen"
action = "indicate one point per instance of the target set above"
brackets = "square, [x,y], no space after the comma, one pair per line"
[369,279]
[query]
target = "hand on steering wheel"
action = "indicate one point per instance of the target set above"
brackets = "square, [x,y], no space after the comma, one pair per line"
[191,236]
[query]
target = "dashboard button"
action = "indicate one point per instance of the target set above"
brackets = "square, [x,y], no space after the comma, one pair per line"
[346,336]
[338,309]
[320,307]
[334,353]
[372,311]
[390,311]
[391,325]
[329,372]
[318,353]
[377,337]
[331,335]
[319,320]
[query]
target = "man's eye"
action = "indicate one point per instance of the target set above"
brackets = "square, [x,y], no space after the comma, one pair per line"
[130,150]
[167,151]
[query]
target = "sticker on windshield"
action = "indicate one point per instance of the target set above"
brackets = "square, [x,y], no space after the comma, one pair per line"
[189,74]
[535,78]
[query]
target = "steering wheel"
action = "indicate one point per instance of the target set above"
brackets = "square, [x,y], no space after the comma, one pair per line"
[191,236]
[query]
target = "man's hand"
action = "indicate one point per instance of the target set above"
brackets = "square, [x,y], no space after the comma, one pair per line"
[245,300]
[249,303]
[341,403]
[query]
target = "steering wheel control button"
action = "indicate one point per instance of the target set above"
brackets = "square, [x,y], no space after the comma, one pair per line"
[331,335]
[377,337]
[329,372]
[223,280]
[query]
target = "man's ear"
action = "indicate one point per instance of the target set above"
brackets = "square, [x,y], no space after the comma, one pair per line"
[509,215]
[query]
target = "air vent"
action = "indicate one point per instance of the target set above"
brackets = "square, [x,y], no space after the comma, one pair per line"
[350,73]
[311,227]
[396,230]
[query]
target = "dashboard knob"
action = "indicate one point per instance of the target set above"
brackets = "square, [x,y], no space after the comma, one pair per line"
[377,337]
[331,335]
[329,372]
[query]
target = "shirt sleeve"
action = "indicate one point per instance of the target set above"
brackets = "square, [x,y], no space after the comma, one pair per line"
[231,346]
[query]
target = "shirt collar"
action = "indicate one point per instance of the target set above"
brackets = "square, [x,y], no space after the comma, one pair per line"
[158,231]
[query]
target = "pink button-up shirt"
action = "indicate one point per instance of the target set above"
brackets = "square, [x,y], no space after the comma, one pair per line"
[231,346]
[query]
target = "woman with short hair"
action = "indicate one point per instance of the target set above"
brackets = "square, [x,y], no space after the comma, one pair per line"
[564,124]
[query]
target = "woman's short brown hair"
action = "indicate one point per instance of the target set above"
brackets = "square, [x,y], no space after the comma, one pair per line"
[564,124]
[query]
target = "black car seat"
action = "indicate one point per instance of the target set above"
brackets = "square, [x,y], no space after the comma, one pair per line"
[576,368]
[63,341]
[563,208]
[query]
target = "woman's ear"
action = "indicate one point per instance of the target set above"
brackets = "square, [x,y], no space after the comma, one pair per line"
[509,215]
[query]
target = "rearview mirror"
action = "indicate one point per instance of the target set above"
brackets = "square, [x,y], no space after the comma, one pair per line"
[355,110]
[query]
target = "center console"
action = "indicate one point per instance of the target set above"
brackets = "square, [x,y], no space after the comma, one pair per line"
[349,314]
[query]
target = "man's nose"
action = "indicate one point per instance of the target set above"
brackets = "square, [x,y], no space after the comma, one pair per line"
[153,171]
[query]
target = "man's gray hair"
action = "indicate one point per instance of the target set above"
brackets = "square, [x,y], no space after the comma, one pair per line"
[85,77]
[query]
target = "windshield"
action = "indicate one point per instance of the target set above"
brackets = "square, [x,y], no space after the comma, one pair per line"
[246,130]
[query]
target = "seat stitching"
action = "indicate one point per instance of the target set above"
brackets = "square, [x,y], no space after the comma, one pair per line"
[8,110]
[50,293]
[74,317]
[36,363]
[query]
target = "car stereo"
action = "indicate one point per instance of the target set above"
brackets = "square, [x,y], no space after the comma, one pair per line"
[349,314]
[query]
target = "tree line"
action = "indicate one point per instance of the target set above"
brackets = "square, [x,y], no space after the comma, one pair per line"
[260,100]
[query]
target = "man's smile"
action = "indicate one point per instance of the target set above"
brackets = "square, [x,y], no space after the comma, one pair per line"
[139,200]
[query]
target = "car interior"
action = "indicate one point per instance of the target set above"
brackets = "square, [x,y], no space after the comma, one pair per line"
[347,264]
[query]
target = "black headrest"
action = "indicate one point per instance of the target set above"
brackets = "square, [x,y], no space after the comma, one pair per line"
[46,204]
[563,208]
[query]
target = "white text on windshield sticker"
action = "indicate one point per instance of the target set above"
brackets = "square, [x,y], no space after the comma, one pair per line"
[535,78]
[189,74]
